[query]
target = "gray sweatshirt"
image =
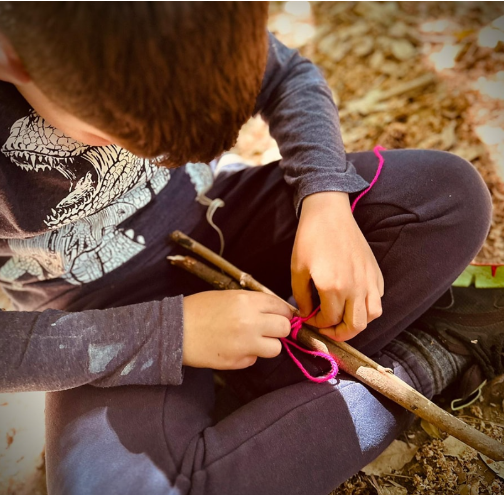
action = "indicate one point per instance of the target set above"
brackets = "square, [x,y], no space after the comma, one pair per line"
[76,219]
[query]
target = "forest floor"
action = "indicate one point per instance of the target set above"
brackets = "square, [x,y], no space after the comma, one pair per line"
[412,74]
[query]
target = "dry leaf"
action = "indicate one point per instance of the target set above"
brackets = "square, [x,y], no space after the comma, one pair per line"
[464,490]
[496,467]
[393,490]
[469,153]
[431,430]
[395,456]
[364,47]
[455,448]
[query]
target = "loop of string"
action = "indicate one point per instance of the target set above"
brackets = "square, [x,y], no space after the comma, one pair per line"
[298,321]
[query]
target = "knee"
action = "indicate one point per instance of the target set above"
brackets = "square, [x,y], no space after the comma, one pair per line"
[460,195]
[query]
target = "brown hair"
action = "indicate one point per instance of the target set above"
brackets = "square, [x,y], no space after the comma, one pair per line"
[176,79]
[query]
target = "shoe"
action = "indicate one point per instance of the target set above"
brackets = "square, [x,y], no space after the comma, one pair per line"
[470,322]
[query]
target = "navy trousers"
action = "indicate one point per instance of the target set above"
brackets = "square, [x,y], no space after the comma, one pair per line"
[425,219]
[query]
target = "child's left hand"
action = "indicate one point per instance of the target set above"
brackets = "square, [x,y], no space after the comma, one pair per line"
[331,250]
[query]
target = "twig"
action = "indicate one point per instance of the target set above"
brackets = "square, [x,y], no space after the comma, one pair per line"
[376,485]
[365,369]
[243,278]
[213,277]
[401,393]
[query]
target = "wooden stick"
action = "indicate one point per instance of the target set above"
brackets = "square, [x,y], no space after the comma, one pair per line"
[401,393]
[243,278]
[365,369]
[215,278]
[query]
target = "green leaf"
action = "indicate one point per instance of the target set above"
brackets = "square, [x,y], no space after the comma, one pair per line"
[481,276]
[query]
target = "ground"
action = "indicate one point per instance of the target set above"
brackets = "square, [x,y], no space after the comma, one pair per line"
[424,75]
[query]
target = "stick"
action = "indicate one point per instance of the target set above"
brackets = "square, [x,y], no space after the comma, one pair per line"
[401,393]
[243,278]
[365,369]
[213,277]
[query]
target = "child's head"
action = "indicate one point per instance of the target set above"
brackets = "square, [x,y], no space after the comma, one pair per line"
[160,78]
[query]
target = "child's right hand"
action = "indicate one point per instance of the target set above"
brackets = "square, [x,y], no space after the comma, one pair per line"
[230,329]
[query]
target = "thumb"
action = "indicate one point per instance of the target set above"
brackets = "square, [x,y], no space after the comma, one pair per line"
[301,290]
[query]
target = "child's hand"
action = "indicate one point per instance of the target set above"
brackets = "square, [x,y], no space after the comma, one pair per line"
[331,250]
[231,329]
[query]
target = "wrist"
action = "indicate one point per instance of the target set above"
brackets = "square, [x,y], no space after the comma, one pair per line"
[337,202]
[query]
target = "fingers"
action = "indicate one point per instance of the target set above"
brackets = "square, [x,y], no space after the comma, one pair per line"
[354,321]
[373,306]
[357,315]
[381,283]
[269,348]
[339,333]
[275,326]
[301,291]
[245,362]
[332,307]
[273,305]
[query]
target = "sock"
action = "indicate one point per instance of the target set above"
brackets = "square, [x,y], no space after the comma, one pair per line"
[442,366]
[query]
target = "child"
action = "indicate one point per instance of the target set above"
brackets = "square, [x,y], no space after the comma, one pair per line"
[103,104]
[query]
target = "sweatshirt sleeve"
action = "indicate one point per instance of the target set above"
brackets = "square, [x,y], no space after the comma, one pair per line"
[53,350]
[297,104]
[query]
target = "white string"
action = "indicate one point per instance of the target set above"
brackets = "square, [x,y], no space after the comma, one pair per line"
[213,204]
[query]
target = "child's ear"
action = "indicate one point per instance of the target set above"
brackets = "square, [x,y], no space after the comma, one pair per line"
[11,68]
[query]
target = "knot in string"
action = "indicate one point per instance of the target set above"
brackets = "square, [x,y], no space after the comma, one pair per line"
[297,321]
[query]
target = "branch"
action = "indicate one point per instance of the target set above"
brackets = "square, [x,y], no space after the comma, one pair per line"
[213,277]
[401,393]
[248,282]
[243,278]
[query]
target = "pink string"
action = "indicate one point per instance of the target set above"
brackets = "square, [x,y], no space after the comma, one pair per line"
[298,321]
[296,324]
[381,160]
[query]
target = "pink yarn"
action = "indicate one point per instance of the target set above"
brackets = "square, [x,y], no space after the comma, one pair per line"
[298,321]
[296,324]
[381,160]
